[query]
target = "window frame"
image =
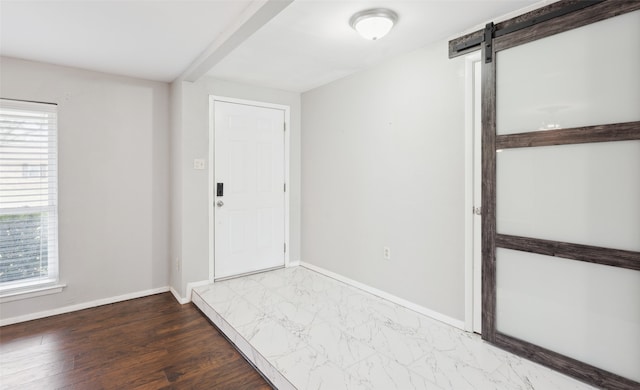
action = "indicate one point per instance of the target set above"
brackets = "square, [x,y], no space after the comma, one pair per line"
[49,283]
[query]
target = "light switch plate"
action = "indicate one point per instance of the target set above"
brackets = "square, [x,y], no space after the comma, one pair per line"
[198,163]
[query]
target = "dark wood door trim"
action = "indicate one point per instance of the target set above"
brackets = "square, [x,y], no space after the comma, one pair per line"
[583,17]
[594,11]
[575,368]
[591,10]
[627,131]
[586,253]
[488,108]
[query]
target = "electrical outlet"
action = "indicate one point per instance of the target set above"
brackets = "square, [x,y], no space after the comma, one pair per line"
[386,252]
[178,264]
[198,163]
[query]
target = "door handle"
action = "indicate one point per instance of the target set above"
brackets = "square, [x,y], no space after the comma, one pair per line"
[219,203]
[477,211]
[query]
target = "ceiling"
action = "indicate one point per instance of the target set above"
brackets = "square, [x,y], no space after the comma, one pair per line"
[155,40]
[295,47]
[310,43]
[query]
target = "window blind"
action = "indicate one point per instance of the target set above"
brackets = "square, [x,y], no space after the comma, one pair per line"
[28,194]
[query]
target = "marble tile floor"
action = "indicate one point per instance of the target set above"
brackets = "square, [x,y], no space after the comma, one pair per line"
[304,330]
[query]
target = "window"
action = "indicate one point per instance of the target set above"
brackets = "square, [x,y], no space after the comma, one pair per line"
[33,170]
[28,195]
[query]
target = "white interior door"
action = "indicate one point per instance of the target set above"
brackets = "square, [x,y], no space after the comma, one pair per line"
[249,195]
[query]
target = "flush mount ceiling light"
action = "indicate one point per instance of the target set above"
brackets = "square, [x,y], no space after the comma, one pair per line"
[374,23]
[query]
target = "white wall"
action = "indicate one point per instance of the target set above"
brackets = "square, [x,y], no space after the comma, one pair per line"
[113,180]
[383,165]
[191,137]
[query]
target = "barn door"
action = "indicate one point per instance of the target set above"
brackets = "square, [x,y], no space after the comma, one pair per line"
[561,190]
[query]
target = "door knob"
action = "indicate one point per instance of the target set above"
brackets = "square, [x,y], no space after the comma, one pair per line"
[477,211]
[219,203]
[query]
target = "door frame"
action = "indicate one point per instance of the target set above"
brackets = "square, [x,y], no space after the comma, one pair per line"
[470,260]
[212,172]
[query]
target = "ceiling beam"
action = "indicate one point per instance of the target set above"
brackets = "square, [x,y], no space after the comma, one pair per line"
[256,15]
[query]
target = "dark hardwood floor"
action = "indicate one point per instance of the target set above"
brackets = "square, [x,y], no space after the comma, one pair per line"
[145,343]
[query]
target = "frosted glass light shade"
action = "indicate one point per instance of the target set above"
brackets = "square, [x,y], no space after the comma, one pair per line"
[374,24]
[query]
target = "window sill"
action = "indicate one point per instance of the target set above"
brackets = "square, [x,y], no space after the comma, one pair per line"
[15,295]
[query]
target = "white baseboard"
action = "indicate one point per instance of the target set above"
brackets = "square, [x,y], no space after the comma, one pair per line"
[81,306]
[293,263]
[177,296]
[390,297]
[190,287]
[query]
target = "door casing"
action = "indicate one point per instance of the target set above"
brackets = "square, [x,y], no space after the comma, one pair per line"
[473,258]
